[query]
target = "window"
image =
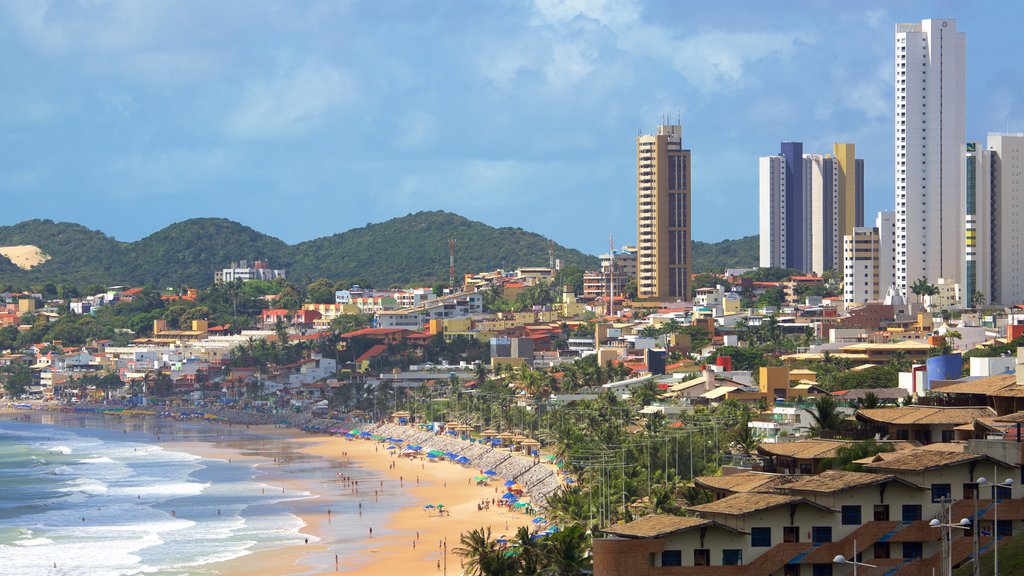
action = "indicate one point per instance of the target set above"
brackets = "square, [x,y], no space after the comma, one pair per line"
[1005,528]
[970,489]
[806,469]
[790,533]
[881,549]
[911,550]
[672,558]
[940,491]
[821,534]
[1002,493]
[701,557]
[761,537]
[822,570]
[732,557]
[851,515]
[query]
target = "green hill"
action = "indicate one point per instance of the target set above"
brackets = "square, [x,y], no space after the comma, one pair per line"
[412,248]
[717,256]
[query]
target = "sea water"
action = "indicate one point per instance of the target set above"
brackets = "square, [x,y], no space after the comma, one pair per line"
[106,503]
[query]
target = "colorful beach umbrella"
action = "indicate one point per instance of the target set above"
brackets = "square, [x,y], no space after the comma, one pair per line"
[502,540]
[429,507]
[481,478]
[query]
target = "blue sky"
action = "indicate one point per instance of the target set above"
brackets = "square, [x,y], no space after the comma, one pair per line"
[303,119]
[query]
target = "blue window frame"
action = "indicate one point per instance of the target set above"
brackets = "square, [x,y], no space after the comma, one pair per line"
[821,534]
[851,515]
[940,491]
[911,550]
[911,512]
[761,537]
[822,570]
[732,557]
[672,558]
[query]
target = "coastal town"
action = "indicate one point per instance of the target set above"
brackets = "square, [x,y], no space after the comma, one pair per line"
[850,401]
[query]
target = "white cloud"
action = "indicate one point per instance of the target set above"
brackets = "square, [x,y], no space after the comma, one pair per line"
[608,12]
[292,102]
[568,65]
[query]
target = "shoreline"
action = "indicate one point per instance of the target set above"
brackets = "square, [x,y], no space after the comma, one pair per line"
[392,548]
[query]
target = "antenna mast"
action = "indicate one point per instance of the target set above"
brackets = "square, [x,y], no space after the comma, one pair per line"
[451,265]
[611,275]
[551,255]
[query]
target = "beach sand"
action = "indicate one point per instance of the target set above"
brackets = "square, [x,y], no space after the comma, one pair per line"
[390,552]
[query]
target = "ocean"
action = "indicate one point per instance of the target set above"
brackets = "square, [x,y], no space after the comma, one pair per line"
[99,497]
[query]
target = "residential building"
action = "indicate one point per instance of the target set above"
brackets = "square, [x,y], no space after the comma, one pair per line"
[244,271]
[993,205]
[867,261]
[663,215]
[460,305]
[930,126]
[807,203]
[413,296]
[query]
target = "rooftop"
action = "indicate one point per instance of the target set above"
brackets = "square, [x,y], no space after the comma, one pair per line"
[746,503]
[925,414]
[916,460]
[656,525]
[818,448]
[837,480]
[744,482]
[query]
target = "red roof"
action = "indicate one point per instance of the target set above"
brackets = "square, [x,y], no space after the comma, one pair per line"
[806,279]
[374,332]
[132,291]
[373,352]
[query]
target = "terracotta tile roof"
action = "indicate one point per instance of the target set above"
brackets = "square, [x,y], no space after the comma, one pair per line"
[747,503]
[925,414]
[817,448]
[1008,509]
[1013,418]
[656,525]
[744,482]
[837,480]
[945,447]
[986,385]
[924,460]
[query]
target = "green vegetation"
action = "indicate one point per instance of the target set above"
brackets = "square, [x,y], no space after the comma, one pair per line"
[717,256]
[846,456]
[398,251]
[1011,558]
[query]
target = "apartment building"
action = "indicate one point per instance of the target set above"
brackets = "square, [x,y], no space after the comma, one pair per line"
[244,271]
[663,215]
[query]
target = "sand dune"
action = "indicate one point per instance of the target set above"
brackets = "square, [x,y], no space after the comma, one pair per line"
[25,256]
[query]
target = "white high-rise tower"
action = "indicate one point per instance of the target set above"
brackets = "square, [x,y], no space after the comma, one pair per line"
[931,62]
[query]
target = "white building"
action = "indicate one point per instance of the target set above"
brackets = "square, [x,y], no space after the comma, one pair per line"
[772,214]
[993,207]
[460,305]
[244,271]
[930,65]
[867,261]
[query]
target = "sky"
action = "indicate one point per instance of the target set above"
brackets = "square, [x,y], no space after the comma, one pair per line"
[304,119]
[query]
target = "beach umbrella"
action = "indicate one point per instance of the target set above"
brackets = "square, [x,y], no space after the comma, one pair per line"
[429,507]
[502,540]
[552,529]
[451,455]
[509,483]
[462,460]
[392,447]
[569,480]
[538,520]
[481,478]
[414,447]
[519,504]
[509,496]
[440,506]
[490,473]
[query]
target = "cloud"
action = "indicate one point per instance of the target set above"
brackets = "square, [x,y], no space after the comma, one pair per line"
[569,64]
[417,130]
[607,12]
[291,103]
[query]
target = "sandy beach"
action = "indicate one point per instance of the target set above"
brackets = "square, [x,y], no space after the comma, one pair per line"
[390,551]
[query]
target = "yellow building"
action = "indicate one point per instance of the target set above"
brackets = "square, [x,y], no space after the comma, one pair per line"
[663,215]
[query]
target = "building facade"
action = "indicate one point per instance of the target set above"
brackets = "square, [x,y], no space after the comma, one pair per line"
[867,261]
[993,204]
[245,271]
[663,215]
[930,127]
[807,203]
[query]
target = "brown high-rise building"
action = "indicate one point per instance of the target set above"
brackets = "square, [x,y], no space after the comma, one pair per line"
[663,215]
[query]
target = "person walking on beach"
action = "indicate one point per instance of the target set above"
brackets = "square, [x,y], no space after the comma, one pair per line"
[371,529]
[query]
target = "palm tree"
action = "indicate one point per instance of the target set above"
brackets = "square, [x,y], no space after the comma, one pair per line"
[530,553]
[565,552]
[743,436]
[978,299]
[827,418]
[869,401]
[921,287]
[952,336]
[481,553]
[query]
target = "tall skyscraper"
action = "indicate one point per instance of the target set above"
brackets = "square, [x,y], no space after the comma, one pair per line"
[663,215]
[993,243]
[929,132]
[808,203]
